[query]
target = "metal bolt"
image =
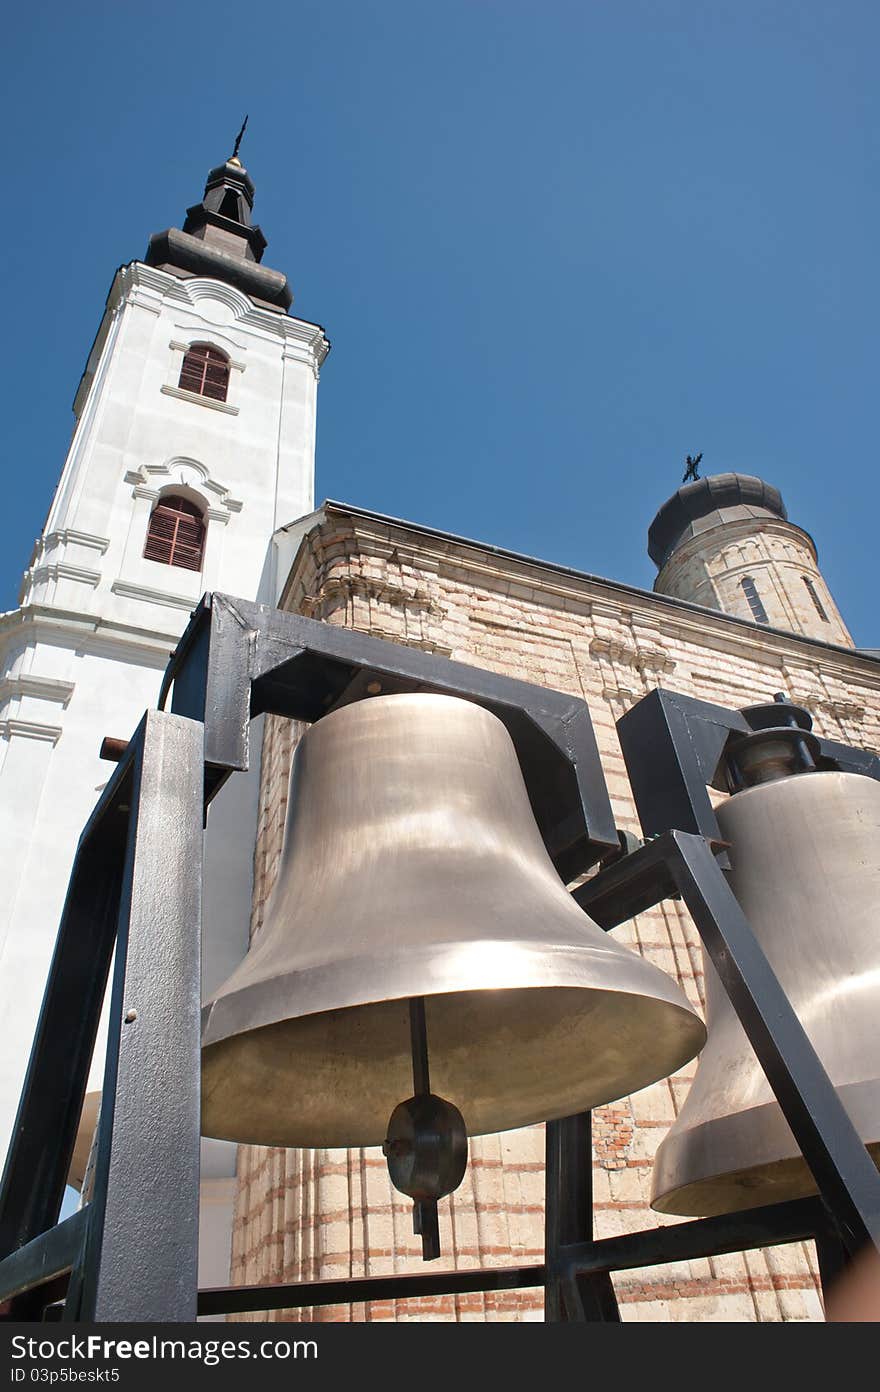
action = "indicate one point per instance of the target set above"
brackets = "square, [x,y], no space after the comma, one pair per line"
[374,688]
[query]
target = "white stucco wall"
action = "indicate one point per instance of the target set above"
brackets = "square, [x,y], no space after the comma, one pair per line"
[84,654]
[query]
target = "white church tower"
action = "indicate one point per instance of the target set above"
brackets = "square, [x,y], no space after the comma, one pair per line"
[194,443]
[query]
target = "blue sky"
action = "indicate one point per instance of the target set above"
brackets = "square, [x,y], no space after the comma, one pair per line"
[556,246]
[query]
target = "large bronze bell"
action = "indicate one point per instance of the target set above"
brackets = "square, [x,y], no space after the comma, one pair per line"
[805,851]
[413,868]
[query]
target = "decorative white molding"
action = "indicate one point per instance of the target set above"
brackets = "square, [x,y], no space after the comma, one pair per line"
[30,729]
[137,276]
[150,596]
[202,336]
[150,288]
[201,288]
[305,335]
[199,400]
[66,536]
[152,479]
[67,628]
[60,570]
[308,353]
[31,684]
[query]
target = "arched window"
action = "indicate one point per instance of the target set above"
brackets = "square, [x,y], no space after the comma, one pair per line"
[176,534]
[750,590]
[205,371]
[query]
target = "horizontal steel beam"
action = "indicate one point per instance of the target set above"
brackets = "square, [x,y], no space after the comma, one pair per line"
[772,1226]
[237,660]
[629,886]
[228,1300]
[44,1258]
[674,745]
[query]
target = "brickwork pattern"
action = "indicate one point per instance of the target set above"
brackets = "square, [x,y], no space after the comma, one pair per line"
[325,1214]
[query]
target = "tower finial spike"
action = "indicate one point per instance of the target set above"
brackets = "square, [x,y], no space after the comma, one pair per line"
[233,158]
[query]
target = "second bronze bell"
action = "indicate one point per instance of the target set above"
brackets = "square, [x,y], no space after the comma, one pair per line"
[806,870]
[412,867]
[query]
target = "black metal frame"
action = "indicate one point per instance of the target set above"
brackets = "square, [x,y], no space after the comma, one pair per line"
[237,660]
[673,747]
[135,887]
[131,1253]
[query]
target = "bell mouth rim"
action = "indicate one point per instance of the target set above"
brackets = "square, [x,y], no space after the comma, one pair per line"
[531,1055]
[735,1168]
[537,965]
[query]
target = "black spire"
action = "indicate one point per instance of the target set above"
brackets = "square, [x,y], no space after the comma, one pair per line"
[219,240]
[224,215]
[234,156]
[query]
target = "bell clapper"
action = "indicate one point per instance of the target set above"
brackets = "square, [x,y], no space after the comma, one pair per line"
[426,1145]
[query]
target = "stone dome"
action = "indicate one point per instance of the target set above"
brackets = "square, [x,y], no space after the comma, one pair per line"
[709,502]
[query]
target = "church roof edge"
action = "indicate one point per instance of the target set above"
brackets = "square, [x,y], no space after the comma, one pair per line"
[523,558]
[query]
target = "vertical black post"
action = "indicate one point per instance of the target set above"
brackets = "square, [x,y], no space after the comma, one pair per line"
[141,1250]
[557,1206]
[568,1218]
[833,1259]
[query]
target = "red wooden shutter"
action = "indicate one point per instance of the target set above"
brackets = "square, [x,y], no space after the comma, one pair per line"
[176,534]
[205,371]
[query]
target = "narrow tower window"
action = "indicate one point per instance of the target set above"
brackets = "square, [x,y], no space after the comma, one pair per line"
[205,371]
[759,613]
[176,534]
[820,607]
[229,207]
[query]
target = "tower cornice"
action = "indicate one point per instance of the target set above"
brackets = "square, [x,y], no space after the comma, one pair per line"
[138,282]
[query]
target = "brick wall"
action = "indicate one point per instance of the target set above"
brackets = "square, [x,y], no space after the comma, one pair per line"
[328,1214]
